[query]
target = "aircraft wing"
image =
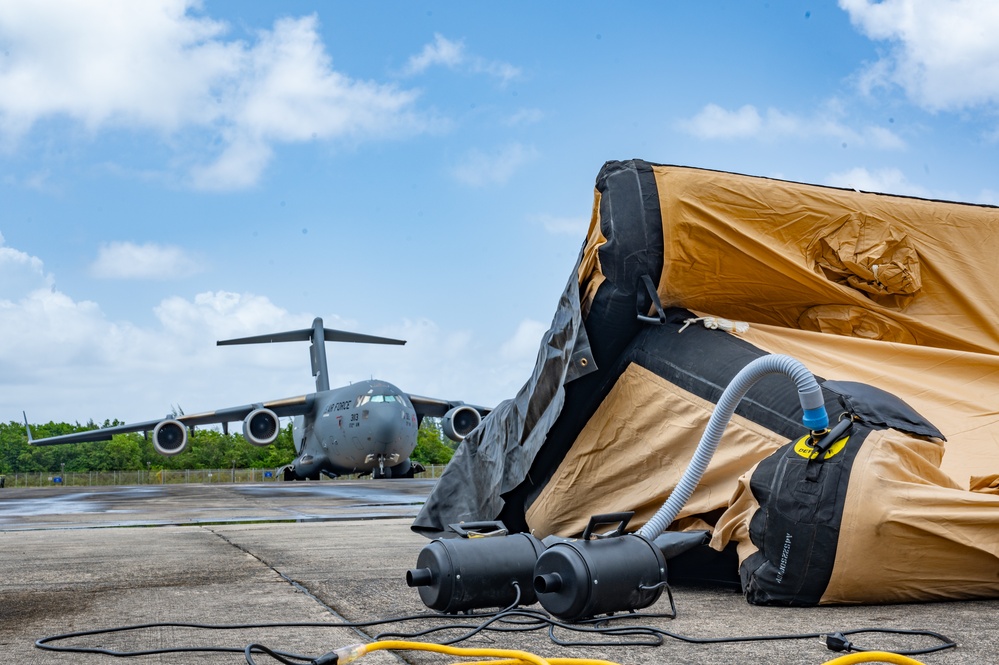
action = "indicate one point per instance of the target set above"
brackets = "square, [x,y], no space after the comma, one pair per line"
[292,406]
[437,408]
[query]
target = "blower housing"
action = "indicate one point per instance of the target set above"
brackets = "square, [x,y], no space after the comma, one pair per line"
[576,579]
[476,570]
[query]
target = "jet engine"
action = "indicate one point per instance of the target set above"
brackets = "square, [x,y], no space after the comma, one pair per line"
[169,437]
[261,427]
[459,421]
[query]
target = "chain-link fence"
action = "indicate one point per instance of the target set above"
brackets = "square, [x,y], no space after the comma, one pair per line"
[163,477]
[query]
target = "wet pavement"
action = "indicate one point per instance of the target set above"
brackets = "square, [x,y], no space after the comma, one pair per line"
[147,505]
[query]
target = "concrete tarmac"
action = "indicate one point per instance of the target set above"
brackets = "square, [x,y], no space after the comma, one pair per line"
[322,553]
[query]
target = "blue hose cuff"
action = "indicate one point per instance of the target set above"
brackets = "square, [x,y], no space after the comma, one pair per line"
[815,419]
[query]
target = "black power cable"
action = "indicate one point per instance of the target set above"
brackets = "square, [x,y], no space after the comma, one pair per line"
[510,619]
[521,620]
[838,642]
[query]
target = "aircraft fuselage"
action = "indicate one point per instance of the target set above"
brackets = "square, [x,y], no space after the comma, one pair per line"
[366,427]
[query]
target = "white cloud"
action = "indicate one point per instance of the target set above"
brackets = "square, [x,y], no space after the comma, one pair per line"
[64,360]
[884,181]
[571,226]
[450,365]
[945,55]
[126,260]
[443,52]
[161,66]
[988,197]
[20,273]
[525,342]
[150,64]
[503,71]
[479,168]
[525,117]
[224,314]
[239,166]
[715,122]
[195,325]
[37,181]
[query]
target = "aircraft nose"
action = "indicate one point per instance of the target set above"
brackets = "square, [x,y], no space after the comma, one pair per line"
[384,424]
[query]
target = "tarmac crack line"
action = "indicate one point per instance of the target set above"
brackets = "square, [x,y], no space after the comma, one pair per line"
[301,588]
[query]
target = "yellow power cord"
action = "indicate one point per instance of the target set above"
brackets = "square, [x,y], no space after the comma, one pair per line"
[507,656]
[515,657]
[872,657]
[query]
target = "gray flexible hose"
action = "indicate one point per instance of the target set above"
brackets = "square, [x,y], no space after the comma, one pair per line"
[815,419]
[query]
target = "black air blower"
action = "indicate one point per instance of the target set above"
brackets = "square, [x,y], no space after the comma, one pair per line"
[484,567]
[596,574]
[611,572]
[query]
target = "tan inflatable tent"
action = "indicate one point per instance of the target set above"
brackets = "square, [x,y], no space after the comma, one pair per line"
[686,276]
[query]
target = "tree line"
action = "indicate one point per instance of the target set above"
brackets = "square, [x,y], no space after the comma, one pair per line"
[207,448]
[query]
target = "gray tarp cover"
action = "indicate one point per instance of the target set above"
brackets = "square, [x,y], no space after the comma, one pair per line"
[498,454]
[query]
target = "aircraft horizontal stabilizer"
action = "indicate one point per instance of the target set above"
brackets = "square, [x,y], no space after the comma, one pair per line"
[317,334]
[306,334]
[289,336]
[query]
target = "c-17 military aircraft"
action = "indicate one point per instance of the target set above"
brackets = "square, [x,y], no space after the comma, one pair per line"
[366,427]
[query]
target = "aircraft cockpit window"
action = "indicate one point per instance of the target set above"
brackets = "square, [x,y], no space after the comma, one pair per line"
[364,399]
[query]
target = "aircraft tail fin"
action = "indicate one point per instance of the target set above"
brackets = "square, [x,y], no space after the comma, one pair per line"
[317,334]
[27,428]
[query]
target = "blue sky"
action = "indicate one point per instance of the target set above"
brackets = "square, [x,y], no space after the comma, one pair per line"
[173,173]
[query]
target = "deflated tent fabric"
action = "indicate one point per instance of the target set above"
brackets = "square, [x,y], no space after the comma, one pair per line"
[876,295]
[829,260]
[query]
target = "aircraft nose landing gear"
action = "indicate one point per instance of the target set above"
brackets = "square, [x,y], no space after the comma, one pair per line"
[382,471]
